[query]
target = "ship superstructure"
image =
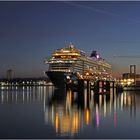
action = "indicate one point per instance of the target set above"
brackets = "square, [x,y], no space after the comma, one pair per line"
[70,62]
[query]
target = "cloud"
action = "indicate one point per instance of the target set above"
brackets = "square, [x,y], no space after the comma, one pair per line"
[101,11]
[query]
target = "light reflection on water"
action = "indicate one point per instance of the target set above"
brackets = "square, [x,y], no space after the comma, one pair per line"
[67,113]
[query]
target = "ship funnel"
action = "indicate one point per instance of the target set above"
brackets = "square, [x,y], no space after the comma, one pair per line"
[93,54]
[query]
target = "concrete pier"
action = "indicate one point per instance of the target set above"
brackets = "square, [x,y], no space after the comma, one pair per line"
[99,86]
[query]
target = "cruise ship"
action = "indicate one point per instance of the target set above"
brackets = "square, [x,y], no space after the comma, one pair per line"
[70,64]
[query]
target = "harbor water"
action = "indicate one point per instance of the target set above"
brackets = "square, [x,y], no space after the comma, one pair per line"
[46,112]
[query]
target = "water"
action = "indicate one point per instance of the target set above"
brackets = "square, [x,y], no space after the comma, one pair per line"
[46,112]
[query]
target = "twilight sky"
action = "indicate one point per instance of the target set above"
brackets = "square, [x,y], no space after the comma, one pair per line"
[30,31]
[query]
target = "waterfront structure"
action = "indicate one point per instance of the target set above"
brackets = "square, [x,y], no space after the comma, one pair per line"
[68,64]
[127,79]
[40,81]
[131,78]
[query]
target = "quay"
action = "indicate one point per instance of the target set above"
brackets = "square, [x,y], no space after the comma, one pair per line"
[42,81]
[98,86]
[131,88]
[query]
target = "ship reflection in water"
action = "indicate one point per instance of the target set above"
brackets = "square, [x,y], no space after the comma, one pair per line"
[71,112]
[68,114]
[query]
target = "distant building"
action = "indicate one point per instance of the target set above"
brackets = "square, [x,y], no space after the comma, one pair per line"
[131,78]
[9,74]
[127,77]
